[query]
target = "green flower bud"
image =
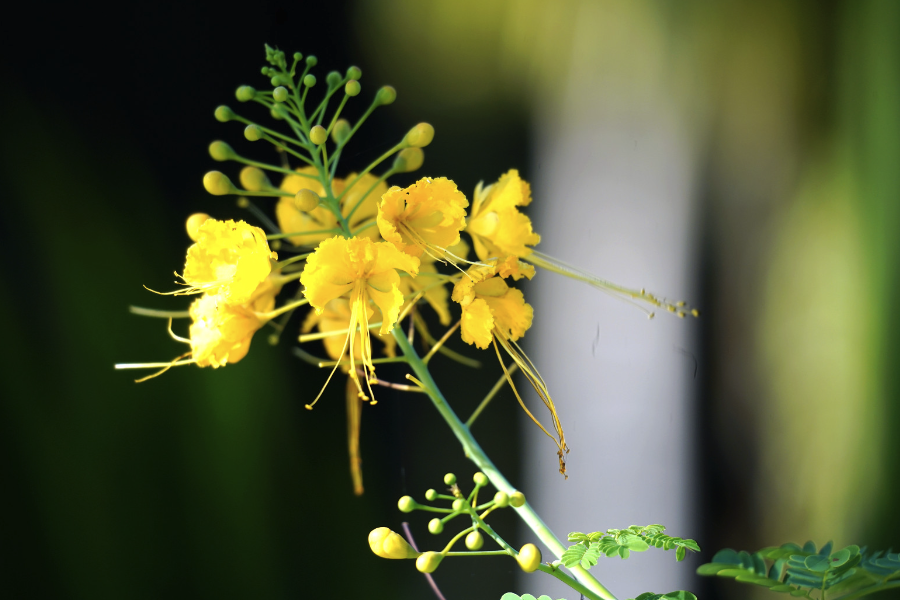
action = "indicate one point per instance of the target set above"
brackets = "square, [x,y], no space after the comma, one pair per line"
[450,479]
[305,201]
[311,61]
[242,202]
[254,179]
[253,133]
[474,541]
[529,558]
[431,495]
[309,80]
[435,526]
[224,114]
[333,79]
[501,499]
[220,151]
[460,504]
[245,93]
[298,56]
[354,73]
[265,71]
[193,224]
[406,504]
[517,499]
[280,94]
[340,131]
[420,135]
[278,111]
[386,95]
[428,562]
[218,184]
[318,135]
[408,160]
[480,479]
[352,88]
[273,337]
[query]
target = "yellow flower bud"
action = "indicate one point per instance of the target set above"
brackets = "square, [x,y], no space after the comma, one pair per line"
[352,88]
[420,135]
[306,200]
[501,499]
[517,499]
[394,546]
[474,541]
[435,526]
[449,478]
[309,80]
[245,93]
[218,184]
[354,73]
[480,479]
[406,504]
[254,180]
[318,135]
[224,114]
[280,94]
[253,132]
[529,558]
[460,504]
[431,495]
[193,225]
[428,562]
[376,537]
[220,151]
[340,131]
[386,95]
[408,160]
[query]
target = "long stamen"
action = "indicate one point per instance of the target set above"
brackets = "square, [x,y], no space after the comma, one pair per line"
[176,362]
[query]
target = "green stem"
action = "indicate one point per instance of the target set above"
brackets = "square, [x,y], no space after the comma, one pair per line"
[572,583]
[590,586]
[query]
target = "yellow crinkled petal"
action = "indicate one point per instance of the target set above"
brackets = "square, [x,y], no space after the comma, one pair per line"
[477,324]
[430,213]
[512,315]
[220,332]
[496,225]
[513,267]
[229,259]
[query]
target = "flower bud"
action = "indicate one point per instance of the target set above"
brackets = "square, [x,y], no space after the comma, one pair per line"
[220,151]
[254,179]
[275,112]
[224,114]
[354,73]
[309,80]
[242,202]
[388,544]
[529,558]
[501,499]
[435,526]
[480,479]
[312,61]
[306,200]
[340,131]
[460,504]
[318,135]
[333,79]
[278,80]
[450,479]
[352,88]
[218,184]
[408,160]
[193,224]
[420,135]
[298,56]
[431,495]
[245,93]
[406,504]
[280,94]
[253,133]
[517,499]
[386,95]
[428,562]
[474,541]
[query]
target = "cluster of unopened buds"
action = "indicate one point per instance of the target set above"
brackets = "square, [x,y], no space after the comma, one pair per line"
[389,544]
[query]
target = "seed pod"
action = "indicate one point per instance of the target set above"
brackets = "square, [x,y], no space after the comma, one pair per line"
[529,558]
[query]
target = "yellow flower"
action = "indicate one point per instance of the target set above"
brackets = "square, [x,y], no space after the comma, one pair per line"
[229,260]
[494,313]
[291,219]
[490,306]
[365,270]
[221,332]
[336,317]
[425,217]
[497,227]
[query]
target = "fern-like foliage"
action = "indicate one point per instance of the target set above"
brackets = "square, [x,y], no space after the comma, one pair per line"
[511,596]
[798,571]
[679,595]
[622,542]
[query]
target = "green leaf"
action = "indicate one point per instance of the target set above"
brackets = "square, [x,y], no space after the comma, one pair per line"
[575,536]
[590,557]
[573,555]
[727,556]
[817,563]
[809,547]
[826,549]
[679,554]
[510,596]
[624,552]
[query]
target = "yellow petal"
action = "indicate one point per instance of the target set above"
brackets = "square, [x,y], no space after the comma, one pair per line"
[430,213]
[220,333]
[477,324]
[512,315]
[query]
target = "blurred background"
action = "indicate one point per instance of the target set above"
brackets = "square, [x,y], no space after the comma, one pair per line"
[739,155]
